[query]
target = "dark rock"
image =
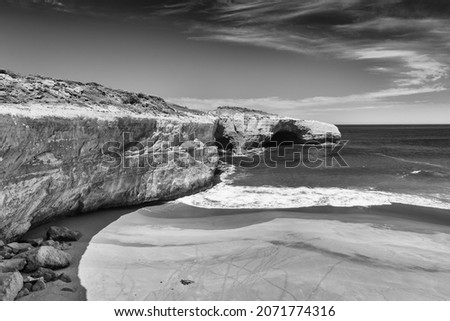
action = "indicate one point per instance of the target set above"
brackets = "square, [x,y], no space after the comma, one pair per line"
[34,242]
[6,253]
[12,265]
[30,267]
[64,246]
[19,247]
[28,286]
[65,278]
[67,290]
[10,285]
[47,274]
[22,293]
[186,282]
[31,264]
[2,244]
[38,286]
[55,244]
[62,234]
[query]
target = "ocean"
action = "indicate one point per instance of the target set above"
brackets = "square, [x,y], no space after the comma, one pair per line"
[372,224]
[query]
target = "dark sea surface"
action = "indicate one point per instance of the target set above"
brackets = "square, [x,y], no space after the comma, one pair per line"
[403,159]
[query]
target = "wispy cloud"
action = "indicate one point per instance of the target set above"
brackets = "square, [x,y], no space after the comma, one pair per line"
[277,104]
[407,40]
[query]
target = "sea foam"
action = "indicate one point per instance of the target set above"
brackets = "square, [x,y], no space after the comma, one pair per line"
[227,196]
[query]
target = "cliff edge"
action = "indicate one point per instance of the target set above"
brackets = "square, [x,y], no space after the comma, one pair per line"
[68,147]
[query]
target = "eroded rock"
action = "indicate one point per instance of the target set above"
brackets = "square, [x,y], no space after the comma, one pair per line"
[49,257]
[242,128]
[10,285]
[22,293]
[45,256]
[12,265]
[38,286]
[65,278]
[62,234]
[47,274]
[34,242]
[19,247]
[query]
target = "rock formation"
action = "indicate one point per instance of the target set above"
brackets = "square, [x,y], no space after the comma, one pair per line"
[53,157]
[241,128]
[69,147]
[10,285]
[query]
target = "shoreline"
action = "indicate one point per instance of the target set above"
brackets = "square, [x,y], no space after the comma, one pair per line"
[90,224]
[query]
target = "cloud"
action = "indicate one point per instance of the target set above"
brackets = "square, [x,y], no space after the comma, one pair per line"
[326,103]
[408,40]
[421,69]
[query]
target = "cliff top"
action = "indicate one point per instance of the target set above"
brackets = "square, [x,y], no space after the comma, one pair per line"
[222,110]
[39,90]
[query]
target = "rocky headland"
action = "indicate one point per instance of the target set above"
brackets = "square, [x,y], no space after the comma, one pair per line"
[241,128]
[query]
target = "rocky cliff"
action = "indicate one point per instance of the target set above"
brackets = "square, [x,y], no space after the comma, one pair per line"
[69,147]
[241,128]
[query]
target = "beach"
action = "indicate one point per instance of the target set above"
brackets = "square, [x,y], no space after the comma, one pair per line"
[269,255]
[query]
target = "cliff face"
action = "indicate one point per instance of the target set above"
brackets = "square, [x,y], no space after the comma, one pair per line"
[54,161]
[68,147]
[244,128]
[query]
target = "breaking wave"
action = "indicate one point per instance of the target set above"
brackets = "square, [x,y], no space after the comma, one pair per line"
[225,196]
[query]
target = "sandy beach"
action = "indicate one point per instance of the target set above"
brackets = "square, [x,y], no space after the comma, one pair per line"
[270,255]
[379,253]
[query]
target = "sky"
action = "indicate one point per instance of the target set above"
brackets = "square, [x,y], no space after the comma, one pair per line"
[340,61]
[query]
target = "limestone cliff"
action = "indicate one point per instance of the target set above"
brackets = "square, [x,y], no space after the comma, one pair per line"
[242,128]
[54,161]
[69,147]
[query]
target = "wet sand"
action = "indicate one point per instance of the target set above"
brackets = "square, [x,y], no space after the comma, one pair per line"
[383,253]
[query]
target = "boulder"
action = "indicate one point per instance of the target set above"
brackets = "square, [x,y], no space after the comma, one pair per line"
[62,234]
[55,244]
[49,257]
[12,265]
[45,256]
[10,285]
[64,246]
[22,293]
[47,274]
[6,253]
[19,247]
[2,244]
[28,286]
[38,286]
[34,242]
[29,256]
[65,278]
